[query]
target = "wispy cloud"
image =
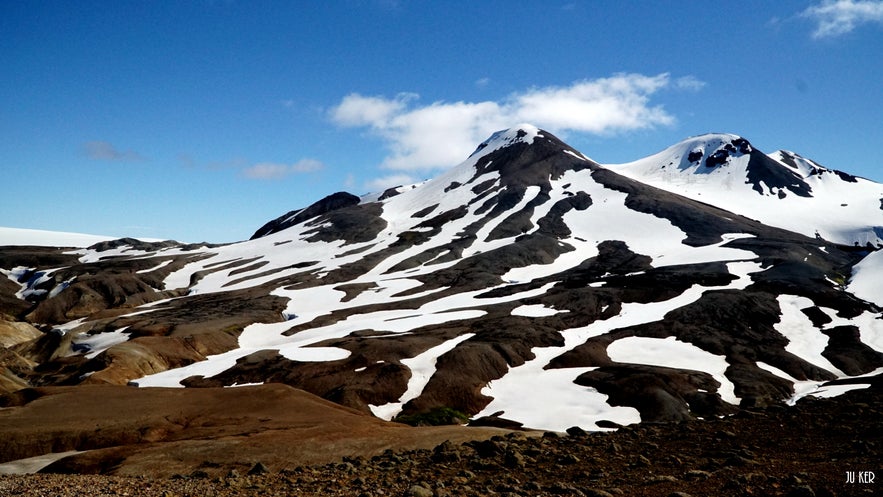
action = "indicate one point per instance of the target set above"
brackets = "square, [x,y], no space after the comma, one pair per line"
[106,151]
[689,83]
[426,137]
[274,170]
[838,17]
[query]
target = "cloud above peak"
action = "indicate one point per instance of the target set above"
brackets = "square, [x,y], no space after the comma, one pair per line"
[421,138]
[838,17]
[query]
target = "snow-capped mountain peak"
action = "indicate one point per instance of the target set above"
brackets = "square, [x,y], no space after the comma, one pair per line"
[703,154]
[782,189]
[520,133]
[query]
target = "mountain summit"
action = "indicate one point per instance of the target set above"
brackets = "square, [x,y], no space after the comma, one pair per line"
[781,189]
[527,285]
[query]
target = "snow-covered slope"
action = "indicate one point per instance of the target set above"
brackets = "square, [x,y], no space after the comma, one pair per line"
[867,278]
[41,238]
[528,283]
[782,189]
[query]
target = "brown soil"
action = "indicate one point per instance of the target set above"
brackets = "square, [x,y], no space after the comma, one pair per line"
[805,450]
[159,432]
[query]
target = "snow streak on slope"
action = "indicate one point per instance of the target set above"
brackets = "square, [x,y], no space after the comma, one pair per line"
[422,368]
[805,341]
[610,219]
[725,171]
[803,388]
[584,406]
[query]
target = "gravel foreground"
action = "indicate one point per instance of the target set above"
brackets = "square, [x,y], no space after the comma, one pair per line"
[821,447]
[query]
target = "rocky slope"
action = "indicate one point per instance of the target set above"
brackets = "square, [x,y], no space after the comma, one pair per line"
[809,449]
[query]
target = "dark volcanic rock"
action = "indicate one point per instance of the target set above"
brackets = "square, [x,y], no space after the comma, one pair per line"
[763,170]
[330,203]
[659,394]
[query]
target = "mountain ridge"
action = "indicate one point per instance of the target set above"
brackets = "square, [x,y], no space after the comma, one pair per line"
[790,191]
[528,267]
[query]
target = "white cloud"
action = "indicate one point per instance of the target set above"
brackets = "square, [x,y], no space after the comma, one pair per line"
[426,137]
[102,150]
[689,83]
[357,110]
[274,170]
[618,103]
[837,17]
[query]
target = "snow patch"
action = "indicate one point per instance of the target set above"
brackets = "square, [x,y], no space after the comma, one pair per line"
[804,340]
[866,279]
[535,311]
[422,368]
[672,353]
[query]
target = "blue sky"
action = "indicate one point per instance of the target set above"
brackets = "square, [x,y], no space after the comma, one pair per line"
[201,120]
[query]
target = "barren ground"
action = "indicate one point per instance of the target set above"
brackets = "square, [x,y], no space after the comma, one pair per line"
[811,449]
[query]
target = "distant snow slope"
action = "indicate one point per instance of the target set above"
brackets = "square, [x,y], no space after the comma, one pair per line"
[41,238]
[867,278]
[782,189]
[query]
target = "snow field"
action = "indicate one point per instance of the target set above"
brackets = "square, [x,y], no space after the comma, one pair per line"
[672,353]
[535,311]
[523,388]
[586,406]
[808,343]
[867,279]
[43,238]
[102,341]
[609,219]
[805,340]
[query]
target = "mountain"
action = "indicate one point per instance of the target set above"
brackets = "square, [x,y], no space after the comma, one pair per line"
[782,189]
[43,238]
[528,285]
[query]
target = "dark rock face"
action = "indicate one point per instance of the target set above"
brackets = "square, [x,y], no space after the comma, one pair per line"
[390,193]
[721,156]
[763,170]
[354,224]
[717,158]
[330,203]
[659,394]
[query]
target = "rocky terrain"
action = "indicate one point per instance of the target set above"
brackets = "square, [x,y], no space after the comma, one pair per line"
[800,451]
